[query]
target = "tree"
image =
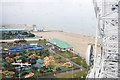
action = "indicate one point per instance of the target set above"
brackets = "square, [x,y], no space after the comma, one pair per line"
[24,33]
[9,33]
[16,33]
[58,69]
[31,35]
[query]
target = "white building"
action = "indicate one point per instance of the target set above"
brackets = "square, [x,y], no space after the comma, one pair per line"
[106,64]
[89,54]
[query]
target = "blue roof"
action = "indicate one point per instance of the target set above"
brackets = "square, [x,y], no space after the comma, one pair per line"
[39,48]
[39,45]
[17,50]
[12,48]
[26,47]
[29,47]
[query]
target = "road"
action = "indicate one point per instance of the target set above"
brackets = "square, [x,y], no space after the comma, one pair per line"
[62,73]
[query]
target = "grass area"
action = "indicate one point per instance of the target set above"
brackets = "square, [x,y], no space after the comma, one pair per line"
[38,74]
[77,60]
[66,54]
[74,75]
[32,41]
[83,73]
[80,61]
[42,42]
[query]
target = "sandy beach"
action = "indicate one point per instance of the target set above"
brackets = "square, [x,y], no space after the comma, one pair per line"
[78,41]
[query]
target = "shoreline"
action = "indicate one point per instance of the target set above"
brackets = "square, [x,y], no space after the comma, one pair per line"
[78,41]
[64,32]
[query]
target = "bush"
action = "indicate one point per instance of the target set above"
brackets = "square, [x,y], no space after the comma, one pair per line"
[24,33]
[31,35]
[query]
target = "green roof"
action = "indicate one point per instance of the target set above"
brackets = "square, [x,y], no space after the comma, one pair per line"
[61,44]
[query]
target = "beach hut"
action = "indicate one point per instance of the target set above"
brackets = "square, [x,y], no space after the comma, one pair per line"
[17,50]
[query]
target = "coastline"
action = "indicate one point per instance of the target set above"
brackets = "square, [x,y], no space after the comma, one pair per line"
[78,41]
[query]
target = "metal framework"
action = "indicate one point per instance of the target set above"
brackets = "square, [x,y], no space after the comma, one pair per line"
[106,62]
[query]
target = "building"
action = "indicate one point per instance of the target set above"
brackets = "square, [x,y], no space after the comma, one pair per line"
[106,63]
[89,54]
[61,44]
[19,26]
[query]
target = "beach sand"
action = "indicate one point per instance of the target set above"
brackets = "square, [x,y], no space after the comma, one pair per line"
[78,41]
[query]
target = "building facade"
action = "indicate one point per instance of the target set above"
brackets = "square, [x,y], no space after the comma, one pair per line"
[106,63]
[19,26]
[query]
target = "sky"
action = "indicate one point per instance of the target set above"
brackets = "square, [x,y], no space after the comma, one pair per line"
[76,16]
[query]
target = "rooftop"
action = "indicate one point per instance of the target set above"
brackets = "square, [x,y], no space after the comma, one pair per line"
[60,43]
